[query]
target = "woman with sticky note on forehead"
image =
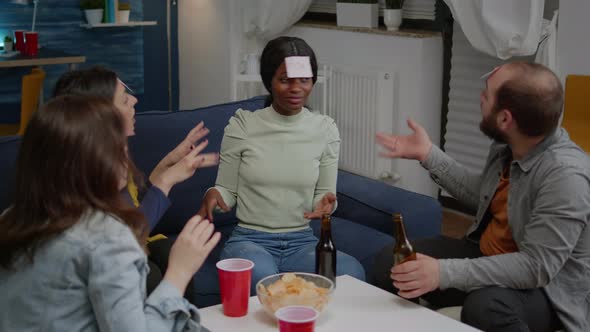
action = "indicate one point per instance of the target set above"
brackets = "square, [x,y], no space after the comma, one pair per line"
[278,166]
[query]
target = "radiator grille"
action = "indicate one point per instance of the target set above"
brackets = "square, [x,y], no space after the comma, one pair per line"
[361,101]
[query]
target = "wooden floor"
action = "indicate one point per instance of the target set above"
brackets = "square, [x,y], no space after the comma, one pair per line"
[455,224]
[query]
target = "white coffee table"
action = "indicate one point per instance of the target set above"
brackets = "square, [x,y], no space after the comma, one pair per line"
[355,306]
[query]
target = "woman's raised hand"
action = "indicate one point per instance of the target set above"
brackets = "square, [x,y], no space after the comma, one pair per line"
[211,200]
[182,162]
[189,251]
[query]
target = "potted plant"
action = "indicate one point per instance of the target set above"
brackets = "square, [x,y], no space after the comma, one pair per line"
[392,14]
[357,13]
[93,9]
[8,44]
[124,11]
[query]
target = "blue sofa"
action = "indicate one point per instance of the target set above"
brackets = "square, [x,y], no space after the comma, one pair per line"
[361,224]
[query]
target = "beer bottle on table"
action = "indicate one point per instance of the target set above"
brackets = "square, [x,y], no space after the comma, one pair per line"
[325,252]
[402,251]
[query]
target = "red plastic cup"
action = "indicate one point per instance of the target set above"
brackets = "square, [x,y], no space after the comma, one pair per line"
[297,318]
[19,40]
[235,277]
[31,43]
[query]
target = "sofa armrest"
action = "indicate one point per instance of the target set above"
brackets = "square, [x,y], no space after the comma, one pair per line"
[371,203]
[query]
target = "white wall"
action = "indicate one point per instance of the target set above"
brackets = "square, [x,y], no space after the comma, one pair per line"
[573,43]
[204,39]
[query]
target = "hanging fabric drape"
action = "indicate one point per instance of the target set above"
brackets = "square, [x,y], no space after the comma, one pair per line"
[501,28]
[267,19]
[547,52]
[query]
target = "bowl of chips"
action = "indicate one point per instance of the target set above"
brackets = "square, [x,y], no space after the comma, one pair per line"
[294,288]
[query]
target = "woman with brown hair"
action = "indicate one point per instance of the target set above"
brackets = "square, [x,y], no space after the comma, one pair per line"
[72,249]
[177,166]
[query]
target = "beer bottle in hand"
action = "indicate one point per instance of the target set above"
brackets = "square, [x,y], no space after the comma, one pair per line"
[402,251]
[325,252]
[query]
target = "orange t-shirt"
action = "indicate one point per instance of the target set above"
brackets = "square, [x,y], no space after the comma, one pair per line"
[497,237]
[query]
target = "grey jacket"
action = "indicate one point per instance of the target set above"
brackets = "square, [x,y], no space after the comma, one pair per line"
[548,212]
[90,278]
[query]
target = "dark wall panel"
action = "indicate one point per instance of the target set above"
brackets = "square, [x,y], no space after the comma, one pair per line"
[58,24]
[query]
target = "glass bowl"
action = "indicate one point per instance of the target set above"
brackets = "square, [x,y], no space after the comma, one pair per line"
[294,288]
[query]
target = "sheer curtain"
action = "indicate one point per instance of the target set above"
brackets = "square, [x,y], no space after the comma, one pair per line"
[507,28]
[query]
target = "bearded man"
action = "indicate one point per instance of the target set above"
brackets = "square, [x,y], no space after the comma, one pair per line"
[524,264]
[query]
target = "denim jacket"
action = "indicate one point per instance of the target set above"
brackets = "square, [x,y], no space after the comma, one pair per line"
[90,278]
[548,213]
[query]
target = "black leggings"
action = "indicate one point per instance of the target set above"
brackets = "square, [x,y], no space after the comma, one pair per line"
[159,252]
[489,308]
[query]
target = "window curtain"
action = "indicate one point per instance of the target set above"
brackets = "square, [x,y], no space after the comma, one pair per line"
[507,28]
[267,19]
[547,52]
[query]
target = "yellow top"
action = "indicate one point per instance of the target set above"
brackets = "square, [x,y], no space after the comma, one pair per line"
[134,193]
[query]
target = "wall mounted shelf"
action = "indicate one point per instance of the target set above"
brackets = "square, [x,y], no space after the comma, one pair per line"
[114,25]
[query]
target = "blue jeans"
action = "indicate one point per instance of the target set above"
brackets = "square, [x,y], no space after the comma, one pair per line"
[283,252]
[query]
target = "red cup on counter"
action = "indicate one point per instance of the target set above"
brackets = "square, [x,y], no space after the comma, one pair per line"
[31,43]
[297,319]
[235,277]
[19,40]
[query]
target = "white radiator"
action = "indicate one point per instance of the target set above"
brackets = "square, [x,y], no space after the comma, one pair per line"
[363,101]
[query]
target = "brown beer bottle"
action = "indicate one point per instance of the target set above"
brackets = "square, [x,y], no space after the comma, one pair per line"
[402,251]
[325,252]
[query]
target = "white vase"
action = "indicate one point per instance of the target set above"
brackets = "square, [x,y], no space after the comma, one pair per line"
[365,15]
[7,46]
[392,19]
[93,16]
[123,16]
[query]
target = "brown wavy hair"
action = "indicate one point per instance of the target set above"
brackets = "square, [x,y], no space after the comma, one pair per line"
[96,81]
[71,161]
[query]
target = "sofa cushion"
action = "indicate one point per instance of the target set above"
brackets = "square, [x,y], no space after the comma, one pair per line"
[373,202]
[157,133]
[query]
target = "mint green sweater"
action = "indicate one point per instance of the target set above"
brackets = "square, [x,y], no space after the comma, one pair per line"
[277,167]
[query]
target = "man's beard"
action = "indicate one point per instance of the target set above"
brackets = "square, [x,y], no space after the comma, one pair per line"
[489,128]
